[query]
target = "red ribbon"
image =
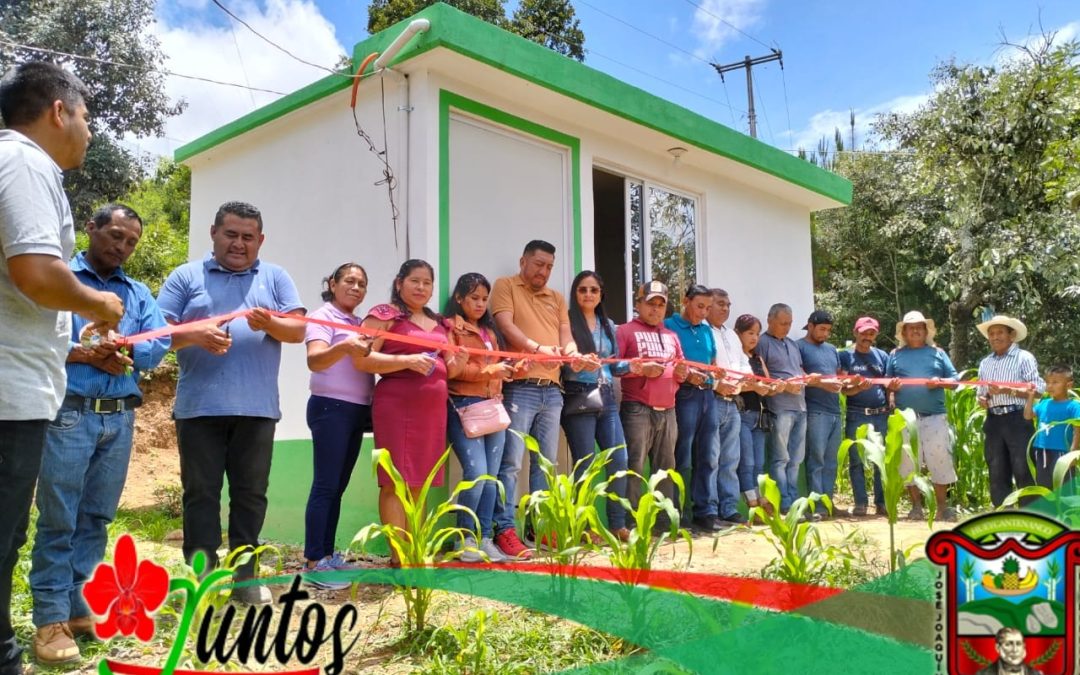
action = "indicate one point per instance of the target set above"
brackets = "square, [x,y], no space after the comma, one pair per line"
[433,345]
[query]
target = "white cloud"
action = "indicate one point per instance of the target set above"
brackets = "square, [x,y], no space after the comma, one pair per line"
[196,47]
[823,124]
[1035,39]
[713,21]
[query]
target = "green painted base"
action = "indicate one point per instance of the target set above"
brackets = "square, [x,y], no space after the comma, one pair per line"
[290,483]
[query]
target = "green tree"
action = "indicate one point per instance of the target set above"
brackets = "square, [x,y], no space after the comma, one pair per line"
[551,23]
[986,150]
[127,99]
[163,202]
[384,13]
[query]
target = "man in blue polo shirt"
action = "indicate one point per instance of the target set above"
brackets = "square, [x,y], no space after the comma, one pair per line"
[88,444]
[822,406]
[866,404]
[227,397]
[697,447]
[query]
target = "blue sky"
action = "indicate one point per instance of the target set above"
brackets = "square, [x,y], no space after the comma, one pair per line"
[872,57]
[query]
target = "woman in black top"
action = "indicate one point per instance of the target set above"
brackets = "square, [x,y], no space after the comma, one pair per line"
[755,419]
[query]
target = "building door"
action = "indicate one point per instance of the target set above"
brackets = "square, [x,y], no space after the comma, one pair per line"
[643,231]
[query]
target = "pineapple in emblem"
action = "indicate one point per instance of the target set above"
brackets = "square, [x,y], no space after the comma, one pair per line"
[1011,570]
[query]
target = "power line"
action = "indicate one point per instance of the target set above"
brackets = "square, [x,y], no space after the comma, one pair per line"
[787,108]
[765,112]
[728,24]
[275,45]
[644,32]
[142,69]
[593,52]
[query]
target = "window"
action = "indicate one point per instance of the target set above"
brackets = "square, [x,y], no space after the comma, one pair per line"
[663,238]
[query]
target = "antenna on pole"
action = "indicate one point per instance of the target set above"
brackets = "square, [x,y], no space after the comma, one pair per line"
[748,63]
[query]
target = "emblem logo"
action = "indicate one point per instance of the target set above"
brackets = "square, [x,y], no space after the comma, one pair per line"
[1009,601]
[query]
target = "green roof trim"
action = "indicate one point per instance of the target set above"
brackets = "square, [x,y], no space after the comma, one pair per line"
[481,41]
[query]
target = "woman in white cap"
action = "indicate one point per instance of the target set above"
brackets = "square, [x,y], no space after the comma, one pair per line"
[918,357]
[1008,434]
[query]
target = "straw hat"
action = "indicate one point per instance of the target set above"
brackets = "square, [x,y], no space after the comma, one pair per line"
[915,317]
[1001,320]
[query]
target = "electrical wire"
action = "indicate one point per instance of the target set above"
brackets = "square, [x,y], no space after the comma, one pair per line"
[645,32]
[764,111]
[143,69]
[787,108]
[728,24]
[275,45]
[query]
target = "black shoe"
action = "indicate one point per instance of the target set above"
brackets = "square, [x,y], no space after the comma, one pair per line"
[735,518]
[706,524]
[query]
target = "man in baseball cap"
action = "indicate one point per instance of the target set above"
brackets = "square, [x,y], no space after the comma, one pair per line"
[866,404]
[822,405]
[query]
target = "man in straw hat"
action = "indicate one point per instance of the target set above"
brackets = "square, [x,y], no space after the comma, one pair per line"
[918,357]
[1007,432]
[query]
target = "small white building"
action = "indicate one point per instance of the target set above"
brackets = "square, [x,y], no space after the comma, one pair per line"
[493,140]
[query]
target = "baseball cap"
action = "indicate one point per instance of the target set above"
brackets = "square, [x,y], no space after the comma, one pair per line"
[650,290]
[819,317]
[865,323]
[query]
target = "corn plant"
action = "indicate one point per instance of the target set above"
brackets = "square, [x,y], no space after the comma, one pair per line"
[886,456]
[966,418]
[803,556]
[564,513]
[638,551]
[1066,508]
[422,542]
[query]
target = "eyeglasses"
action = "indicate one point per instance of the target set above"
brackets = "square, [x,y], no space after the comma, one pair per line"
[588,290]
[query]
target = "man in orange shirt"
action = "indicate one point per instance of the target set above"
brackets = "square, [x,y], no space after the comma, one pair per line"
[533,318]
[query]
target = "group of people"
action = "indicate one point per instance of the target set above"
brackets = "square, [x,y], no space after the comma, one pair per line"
[687,397]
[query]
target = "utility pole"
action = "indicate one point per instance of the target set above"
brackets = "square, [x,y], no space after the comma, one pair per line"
[749,63]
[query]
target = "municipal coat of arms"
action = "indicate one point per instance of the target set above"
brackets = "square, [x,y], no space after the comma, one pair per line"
[1008,603]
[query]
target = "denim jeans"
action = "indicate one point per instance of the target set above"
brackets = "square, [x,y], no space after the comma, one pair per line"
[822,444]
[478,457]
[650,434]
[727,469]
[787,445]
[337,431]
[697,448]
[83,470]
[533,410]
[211,448]
[21,445]
[584,432]
[751,453]
[879,423]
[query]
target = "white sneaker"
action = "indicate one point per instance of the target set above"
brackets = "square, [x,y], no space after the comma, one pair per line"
[252,595]
[493,552]
[469,552]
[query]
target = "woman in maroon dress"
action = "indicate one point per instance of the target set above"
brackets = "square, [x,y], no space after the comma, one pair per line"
[409,402]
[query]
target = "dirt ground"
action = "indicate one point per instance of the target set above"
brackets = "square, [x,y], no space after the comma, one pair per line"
[154,463]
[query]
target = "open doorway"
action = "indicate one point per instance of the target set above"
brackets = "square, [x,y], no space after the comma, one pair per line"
[643,231]
[609,241]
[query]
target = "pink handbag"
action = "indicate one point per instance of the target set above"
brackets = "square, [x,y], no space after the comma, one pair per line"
[483,418]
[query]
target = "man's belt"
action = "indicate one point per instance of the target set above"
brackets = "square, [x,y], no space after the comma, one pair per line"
[870,412]
[729,399]
[696,386]
[1004,409]
[102,405]
[537,381]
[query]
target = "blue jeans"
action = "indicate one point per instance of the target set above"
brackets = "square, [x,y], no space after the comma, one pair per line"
[752,453]
[787,445]
[880,423]
[478,457]
[822,444]
[697,448]
[533,410]
[727,469]
[583,432]
[337,431]
[83,470]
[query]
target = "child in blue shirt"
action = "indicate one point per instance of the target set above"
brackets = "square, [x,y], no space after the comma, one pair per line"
[1052,441]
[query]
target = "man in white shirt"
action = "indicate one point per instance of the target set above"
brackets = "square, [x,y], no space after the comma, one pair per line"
[729,356]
